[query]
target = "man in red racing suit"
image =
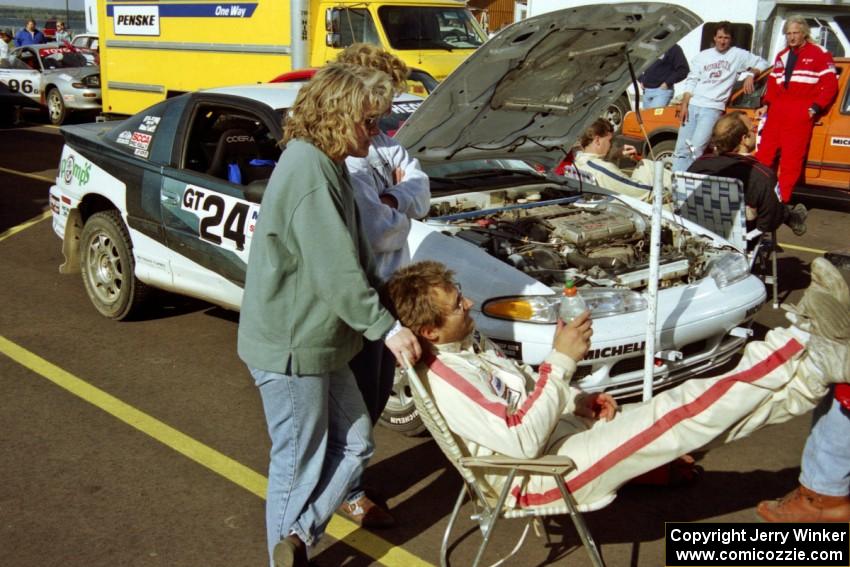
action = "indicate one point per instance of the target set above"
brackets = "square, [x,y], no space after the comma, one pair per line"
[801,86]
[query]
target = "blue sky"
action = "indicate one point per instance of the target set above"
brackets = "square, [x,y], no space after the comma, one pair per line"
[58,4]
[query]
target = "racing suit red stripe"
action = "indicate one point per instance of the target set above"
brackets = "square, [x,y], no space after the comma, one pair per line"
[664,424]
[499,410]
[788,129]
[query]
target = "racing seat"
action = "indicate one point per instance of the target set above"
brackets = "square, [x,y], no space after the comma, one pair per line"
[717,203]
[486,510]
[235,158]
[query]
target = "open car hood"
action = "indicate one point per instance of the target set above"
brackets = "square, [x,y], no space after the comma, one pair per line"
[535,86]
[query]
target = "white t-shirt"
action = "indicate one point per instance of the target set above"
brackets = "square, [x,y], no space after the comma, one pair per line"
[713,75]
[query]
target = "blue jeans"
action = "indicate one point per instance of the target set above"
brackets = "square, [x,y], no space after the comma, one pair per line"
[657,97]
[826,457]
[321,440]
[694,136]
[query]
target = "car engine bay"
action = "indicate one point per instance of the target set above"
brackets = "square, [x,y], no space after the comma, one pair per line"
[593,239]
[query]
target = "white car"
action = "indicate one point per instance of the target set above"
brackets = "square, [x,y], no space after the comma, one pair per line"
[52,76]
[148,202]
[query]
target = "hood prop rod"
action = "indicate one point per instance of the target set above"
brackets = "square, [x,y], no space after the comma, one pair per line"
[637,105]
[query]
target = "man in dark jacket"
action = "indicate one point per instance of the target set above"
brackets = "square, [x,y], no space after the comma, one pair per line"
[658,80]
[29,35]
[733,139]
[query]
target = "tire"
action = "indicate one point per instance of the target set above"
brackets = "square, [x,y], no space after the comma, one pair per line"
[663,149]
[108,267]
[56,111]
[401,415]
[616,112]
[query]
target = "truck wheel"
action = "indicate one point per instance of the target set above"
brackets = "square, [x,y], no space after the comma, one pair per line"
[401,415]
[108,267]
[663,149]
[55,107]
[616,111]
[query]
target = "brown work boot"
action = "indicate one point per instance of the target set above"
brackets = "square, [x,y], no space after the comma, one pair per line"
[366,513]
[804,505]
[290,552]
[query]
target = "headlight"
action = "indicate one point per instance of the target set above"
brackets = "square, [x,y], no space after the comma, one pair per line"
[728,268]
[90,82]
[544,308]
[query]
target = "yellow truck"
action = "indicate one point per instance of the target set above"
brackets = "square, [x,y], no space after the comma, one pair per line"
[152,50]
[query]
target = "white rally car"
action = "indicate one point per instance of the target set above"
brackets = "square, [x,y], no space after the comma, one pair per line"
[149,202]
[54,76]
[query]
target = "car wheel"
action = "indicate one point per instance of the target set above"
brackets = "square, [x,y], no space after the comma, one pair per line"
[401,415]
[616,111]
[108,267]
[55,107]
[664,149]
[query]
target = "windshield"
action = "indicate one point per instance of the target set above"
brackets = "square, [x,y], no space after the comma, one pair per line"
[410,27]
[62,58]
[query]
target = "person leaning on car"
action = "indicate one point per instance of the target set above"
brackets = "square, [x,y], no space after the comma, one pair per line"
[29,35]
[706,89]
[309,298]
[62,35]
[733,140]
[802,84]
[390,189]
[658,80]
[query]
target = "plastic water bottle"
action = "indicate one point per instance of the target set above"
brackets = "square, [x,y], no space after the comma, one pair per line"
[572,304]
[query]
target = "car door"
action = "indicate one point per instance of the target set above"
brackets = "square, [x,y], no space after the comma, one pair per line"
[835,153]
[20,78]
[208,214]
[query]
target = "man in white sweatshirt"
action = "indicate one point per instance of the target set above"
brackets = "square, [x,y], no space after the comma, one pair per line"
[707,88]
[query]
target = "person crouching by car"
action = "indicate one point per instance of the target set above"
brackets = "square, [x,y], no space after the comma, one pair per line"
[595,145]
[309,299]
[734,139]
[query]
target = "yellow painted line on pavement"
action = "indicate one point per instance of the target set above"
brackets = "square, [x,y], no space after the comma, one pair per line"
[803,248]
[340,529]
[29,175]
[23,226]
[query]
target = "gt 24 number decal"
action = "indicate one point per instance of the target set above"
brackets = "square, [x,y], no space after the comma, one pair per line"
[25,86]
[224,220]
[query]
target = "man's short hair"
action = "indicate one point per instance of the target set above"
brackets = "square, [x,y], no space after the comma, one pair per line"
[600,127]
[411,292]
[725,26]
[369,55]
[728,131]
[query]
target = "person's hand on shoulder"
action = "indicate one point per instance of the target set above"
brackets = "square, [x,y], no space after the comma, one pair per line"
[573,338]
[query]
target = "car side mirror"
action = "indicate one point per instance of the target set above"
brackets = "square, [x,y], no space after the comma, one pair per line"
[333,40]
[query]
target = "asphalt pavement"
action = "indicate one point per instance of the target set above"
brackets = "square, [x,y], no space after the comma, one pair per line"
[144,443]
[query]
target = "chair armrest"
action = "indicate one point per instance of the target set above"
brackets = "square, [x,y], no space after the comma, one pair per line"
[547,464]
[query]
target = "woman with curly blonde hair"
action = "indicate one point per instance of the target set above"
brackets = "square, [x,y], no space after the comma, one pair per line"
[390,189]
[309,300]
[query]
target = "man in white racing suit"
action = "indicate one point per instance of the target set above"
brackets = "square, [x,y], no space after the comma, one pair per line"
[495,405]
[595,145]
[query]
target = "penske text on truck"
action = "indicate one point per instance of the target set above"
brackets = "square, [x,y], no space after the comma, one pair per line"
[154,50]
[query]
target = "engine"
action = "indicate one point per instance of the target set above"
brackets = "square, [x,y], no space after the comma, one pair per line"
[604,244]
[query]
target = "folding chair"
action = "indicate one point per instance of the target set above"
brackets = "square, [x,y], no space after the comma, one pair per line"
[717,203]
[487,510]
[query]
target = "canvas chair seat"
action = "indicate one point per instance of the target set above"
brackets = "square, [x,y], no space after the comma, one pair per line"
[717,204]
